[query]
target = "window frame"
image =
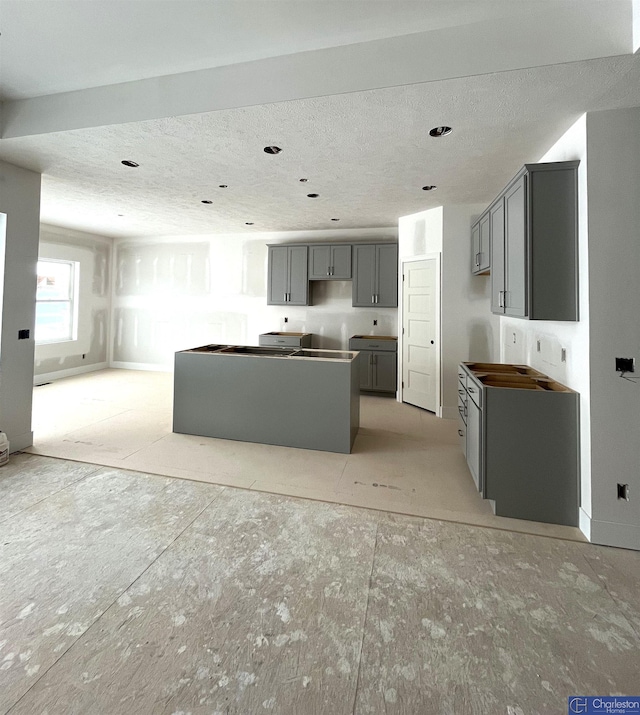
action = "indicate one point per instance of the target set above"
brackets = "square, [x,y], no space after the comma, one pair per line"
[72,301]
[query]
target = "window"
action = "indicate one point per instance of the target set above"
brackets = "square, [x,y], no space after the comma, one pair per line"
[56,314]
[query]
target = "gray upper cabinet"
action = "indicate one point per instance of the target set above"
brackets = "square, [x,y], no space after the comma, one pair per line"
[375,275]
[496,233]
[287,276]
[480,246]
[330,262]
[515,245]
[533,232]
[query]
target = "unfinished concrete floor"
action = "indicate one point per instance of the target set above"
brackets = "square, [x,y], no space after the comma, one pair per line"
[122,592]
[405,460]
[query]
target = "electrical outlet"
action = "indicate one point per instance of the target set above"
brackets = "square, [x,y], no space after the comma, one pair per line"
[563,354]
[623,491]
[625,364]
[538,345]
[375,322]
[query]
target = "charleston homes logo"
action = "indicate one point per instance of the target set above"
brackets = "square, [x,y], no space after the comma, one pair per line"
[606,705]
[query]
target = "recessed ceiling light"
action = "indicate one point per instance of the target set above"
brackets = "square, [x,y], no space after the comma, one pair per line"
[429,188]
[304,181]
[440,131]
[272,149]
[206,201]
[313,196]
[132,164]
[248,223]
[222,186]
[335,219]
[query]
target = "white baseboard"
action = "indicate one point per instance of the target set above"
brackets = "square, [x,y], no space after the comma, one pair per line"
[20,442]
[449,413]
[148,366]
[70,372]
[584,523]
[609,533]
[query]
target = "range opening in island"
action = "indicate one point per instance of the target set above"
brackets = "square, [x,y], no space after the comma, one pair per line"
[294,398]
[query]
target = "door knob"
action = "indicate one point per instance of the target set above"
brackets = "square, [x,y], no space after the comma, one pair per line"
[432,342]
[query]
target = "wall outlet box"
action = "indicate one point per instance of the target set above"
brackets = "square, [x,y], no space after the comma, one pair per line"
[625,364]
[23,334]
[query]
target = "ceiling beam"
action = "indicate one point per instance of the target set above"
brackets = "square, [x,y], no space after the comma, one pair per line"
[571,33]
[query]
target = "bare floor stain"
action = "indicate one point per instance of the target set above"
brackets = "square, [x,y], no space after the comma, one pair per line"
[126,593]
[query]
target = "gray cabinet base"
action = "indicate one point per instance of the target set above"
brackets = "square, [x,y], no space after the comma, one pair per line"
[312,404]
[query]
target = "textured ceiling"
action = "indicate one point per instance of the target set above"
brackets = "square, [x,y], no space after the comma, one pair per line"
[366,153]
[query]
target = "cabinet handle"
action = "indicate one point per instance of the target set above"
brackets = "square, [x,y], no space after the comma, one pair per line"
[461,433]
[332,269]
[285,297]
[373,299]
[500,299]
[460,392]
[328,271]
[461,375]
[478,259]
[471,389]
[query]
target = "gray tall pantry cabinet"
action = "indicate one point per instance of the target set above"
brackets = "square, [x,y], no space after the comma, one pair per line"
[375,275]
[533,232]
[288,282]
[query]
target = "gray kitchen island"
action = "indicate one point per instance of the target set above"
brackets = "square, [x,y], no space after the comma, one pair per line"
[290,397]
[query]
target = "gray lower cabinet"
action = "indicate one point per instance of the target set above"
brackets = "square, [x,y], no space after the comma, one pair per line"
[533,236]
[285,340]
[288,282]
[375,275]
[473,450]
[310,402]
[521,441]
[480,247]
[330,262]
[378,362]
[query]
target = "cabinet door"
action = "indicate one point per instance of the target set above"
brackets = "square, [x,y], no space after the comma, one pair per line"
[320,261]
[340,264]
[387,276]
[475,247]
[298,276]
[366,369]
[480,238]
[364,267]
[474,442]
[496,222]
[484,256]
[515,242]
[278,284]
[385,371]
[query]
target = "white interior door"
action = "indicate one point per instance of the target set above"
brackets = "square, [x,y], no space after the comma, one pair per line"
[420,349]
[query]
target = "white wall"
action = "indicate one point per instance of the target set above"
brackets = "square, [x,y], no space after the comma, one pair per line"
[89,351]
[469,331]
[176,292]
[613,149]
[519,338]
[20,201]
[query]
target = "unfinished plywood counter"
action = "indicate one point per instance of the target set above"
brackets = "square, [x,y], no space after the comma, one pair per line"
[284,396]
